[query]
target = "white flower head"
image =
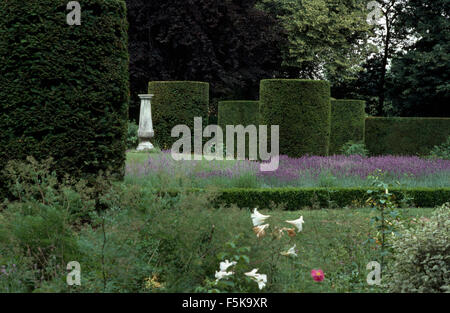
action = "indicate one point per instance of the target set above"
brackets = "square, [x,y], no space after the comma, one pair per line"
[290,252]
[220,275]
[260,230]
[260,279]
[226,264]
[252,273]
[258,218]
[297,223]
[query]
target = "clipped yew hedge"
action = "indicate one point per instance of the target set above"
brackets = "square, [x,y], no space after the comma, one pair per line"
[347,123]
[296,198]
[238,113]
[177,103]
[64,89]
[405,136]
[302,109]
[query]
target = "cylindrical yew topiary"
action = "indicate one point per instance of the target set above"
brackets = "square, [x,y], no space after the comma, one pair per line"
[177,103]
[64,88]
[239,112]
[302,109]
[347,123]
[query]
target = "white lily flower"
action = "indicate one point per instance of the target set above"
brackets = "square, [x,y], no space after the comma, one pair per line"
[291,251]
[225,265]
[220,275]
[260,230]
[258,218]
[260,279]
[297,223]
[251,273]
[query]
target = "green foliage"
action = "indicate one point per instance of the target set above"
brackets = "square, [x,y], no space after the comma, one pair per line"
[296,198]
[64,89]
[422,256]
[302,110]
[442,151]
[132,135]
[419,73]
[37,230]
[322,34]
[354,148]
[175,238]
[238,113]
[347,123]
[237,282]
[405,136]
[177,103]
[365,86]
[387,215]
[35,182]
[169,242]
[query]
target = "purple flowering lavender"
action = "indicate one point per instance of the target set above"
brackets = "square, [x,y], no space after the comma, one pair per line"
[294,171]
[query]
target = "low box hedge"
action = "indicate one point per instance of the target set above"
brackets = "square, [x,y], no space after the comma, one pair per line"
[297,198]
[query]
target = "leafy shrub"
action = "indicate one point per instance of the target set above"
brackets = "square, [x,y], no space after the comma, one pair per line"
[37,229]
[302,109]
[422,256]
[132,136]
[34,182]
[442,151]
[405,136]
[354,148]
[64,89]
[238,113]
[177,103]
[347,123]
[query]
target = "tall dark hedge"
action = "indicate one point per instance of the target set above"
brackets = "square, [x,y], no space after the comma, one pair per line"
[347,123]
[228,43]
[177,103]
[238,113]
[64,89]
[405,136]
[302,109]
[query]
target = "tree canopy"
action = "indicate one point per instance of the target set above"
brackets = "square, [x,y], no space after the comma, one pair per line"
[326,39]
[229,44]
[420,75]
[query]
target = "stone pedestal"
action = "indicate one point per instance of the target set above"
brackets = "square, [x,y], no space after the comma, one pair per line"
[145,132]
